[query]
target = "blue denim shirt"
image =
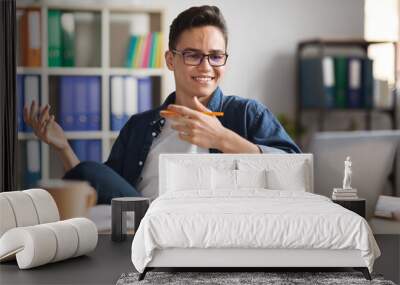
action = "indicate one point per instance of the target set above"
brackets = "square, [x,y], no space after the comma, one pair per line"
[246,117]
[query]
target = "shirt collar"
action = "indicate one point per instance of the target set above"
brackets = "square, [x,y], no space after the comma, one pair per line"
[214,104]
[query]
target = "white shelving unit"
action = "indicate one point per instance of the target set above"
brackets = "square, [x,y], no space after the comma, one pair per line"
[104,71]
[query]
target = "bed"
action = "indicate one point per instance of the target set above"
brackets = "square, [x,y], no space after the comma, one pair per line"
[246,211]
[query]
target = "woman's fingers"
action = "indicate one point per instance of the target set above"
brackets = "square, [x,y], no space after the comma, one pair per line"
[32,113]
[44,115]
[45,125]
[26,115]
[182,129]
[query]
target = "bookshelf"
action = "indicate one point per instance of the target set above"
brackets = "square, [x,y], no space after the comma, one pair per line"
[345,48]
[103,65]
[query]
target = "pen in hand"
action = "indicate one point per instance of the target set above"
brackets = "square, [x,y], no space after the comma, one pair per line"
[168,112]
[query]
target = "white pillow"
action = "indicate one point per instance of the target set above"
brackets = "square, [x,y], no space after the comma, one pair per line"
[224,179]
[251,178]
[293,178]
[282,173]
[183,177]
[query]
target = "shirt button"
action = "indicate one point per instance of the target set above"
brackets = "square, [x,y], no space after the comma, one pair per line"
[153,134]
[154,122]
[140,162]
[162,121]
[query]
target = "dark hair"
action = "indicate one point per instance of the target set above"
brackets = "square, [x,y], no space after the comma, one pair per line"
[196,17]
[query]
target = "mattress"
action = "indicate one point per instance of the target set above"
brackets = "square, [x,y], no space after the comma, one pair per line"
[251,219]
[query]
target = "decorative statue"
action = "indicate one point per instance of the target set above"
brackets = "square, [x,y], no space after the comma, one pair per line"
[347,174]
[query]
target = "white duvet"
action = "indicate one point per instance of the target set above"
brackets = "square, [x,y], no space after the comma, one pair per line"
[252,218]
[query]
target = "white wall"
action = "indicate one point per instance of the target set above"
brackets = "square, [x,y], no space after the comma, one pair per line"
[263,37]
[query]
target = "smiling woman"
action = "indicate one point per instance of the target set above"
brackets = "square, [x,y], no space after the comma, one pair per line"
[197,56]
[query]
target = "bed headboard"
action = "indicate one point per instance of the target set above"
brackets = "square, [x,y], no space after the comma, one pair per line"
[286,168]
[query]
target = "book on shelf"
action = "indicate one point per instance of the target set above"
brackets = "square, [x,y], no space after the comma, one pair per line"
[117,103]
[68,39]
[145,94]
[87,39]
[382,94]
[80,103]
[341,81]
[354,91]
[367,83]
[29,37]
[66,103]
[311,83]
[130,96]
[19,39]
[93,102]
[54,38]
[20,102]
[33,166]
[328,76]
[31,91]
[87,150]
[94,150]
[124,100]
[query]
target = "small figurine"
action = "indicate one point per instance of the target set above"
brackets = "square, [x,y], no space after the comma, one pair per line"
[347,174]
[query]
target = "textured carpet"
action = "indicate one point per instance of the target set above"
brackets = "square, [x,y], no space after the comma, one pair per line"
[229,278]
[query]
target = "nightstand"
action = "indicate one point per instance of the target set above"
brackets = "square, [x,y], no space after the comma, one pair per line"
[119,207]
[356,205]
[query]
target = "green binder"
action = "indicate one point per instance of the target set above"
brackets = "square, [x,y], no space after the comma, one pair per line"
[54,38]
[68,39]
[341,82]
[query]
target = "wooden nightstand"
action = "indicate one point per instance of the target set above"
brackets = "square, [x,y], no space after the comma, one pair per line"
[356,205]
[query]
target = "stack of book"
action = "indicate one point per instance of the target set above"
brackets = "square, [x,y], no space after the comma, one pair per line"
[344,194]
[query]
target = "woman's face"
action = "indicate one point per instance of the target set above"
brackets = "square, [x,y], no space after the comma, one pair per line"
[203,79]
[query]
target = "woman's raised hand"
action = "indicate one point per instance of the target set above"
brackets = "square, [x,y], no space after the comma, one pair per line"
[44,125]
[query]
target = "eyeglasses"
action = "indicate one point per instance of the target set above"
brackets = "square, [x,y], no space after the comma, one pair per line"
[194,58]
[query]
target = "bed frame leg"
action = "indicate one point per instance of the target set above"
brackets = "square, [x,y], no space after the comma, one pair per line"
[143,274]
[364,271]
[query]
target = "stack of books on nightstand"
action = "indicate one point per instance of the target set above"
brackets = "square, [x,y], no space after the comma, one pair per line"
[344,194]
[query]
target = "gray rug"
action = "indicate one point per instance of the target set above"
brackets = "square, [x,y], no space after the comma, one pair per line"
[230,278]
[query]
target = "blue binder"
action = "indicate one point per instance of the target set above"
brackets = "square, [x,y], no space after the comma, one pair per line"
[80,102]
[93,102]
[354,72]
[79,147]
[94,150]
[145,94]
[66,103]
[20,103]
